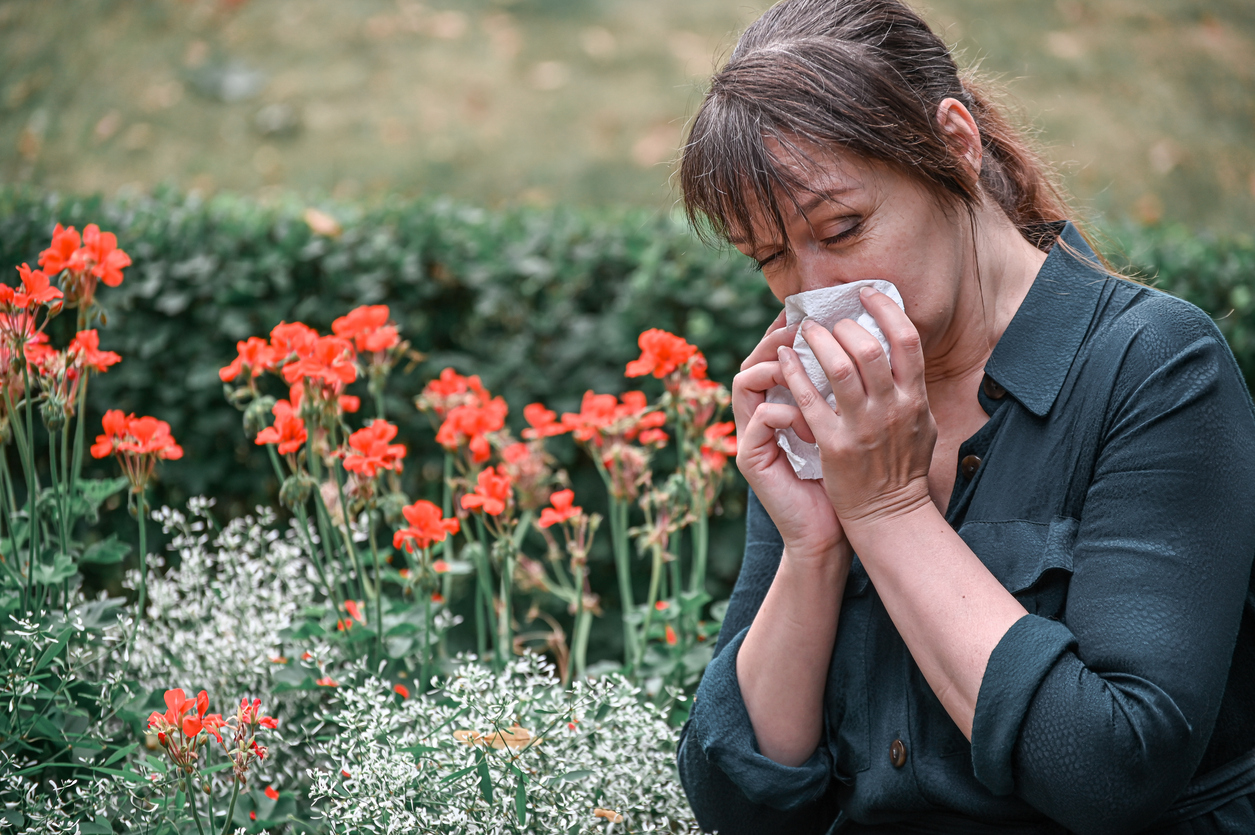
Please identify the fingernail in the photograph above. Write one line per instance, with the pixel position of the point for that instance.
(866, 292)
(782, 353)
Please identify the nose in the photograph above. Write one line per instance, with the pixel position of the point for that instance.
(813, 271)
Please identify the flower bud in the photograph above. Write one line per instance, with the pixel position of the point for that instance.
(296, 489)
(206, 788)
(257, 414)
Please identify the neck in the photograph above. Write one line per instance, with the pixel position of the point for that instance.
(997, 275)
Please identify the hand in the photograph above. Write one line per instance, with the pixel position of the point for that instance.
(801, 509)
(877, 445)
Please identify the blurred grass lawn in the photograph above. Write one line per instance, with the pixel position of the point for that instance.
(1149, 105)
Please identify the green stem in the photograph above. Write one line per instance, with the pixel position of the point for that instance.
(505, 636)
(446, 547)
(583, 623)
(347, 532)
(81, 416)
(302, 519)
(191, 803)
(701, 545)
(32, 491)
(235, 792)
(143, 573)
(424, 659)
(374, 555)
(655, 575)
(486, 615)
(623, 568)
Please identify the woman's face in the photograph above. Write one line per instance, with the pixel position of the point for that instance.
(861, 220)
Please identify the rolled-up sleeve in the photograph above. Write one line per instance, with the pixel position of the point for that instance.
(720, 727)
(1100, 719)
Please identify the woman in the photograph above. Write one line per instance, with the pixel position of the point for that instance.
(1017, 601)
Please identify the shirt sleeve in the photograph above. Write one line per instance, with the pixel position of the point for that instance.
(1100, 720)
(719, 733)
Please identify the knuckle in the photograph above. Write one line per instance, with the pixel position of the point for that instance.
(910, 341)
(870, 352)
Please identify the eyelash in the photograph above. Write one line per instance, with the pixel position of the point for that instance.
(835, 239)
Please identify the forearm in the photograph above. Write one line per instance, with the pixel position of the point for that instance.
(949, 609)
(782, 666)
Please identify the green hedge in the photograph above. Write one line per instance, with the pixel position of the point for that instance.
(543, 304)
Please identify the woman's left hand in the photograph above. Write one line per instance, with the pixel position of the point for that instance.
(877, 445)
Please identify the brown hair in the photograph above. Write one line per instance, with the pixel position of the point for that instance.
(865, 76)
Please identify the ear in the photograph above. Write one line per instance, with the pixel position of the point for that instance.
(960, 130)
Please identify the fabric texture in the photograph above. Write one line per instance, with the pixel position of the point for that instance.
(1113, 497)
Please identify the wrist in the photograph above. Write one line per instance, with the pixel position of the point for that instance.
(868, 530)
(830, 563)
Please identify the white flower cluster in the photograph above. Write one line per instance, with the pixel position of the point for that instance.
(499, 753)
(59, 808)
(217, 619)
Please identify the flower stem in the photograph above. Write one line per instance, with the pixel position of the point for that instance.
(235, 792)
(583, 623)
(446, 547)
(191, 804)
(655, 574)
(701, 545)
(623, 568)
(374, 556)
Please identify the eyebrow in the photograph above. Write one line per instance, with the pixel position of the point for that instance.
(816, 199)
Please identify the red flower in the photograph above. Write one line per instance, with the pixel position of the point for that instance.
(718, 445)
(662, 605)
(252, 815)
(401, 690)
(561, 511)
(255, 356)
(492, 493)
(272, 793)
(327, 681)
(440, 566)
(543, 423)
(427, 526)
(139, 444)
(354, 610)
(670, 635)
(368, 328)
(58, 257)
(603, 415)
(372, 452)
(470, 424)
(288, 430)
(291, 340)
(106, 260)
(661, 354)
(450, 389)
(349, 404)
(85, 349)
(330, 361)
(36, 289)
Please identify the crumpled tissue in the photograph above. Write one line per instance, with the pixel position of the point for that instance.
(825, 306)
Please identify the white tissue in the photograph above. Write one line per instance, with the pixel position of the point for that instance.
(825, 306)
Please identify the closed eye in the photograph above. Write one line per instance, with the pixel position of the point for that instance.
(844, 235)
(758, 265)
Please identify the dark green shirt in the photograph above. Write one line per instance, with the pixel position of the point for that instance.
(1111, 491)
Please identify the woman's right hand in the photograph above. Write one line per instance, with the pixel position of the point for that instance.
(800, 508)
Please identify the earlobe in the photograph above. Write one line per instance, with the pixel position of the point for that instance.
(959, 126)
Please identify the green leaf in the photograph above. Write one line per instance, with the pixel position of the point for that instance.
(718, 610)
(457, 774)
(485, 776)
(520, 796)
(61, 568)
(54, 650)
(120, 753)
(100, 826)
(96, 490)
(575, 776)
(110, 551)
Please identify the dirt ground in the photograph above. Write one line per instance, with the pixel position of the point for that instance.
(1148, 105)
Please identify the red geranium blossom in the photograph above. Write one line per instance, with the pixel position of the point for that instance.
(543, 423)
(562, 509)
(86, 353)
(372, 452)
(59, 256)
(427, 526)
(272, 793)
(492, 493)
(368, 328)
(718, 444)
(288, 430)
(104, 259)
(471, 423)
(330, 361)
(138, 442)
(255, 356)
(661, 354)
(36, 289)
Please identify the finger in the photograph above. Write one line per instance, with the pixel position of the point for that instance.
(904, 341)
(765, 351)
(842, 373)
(749, 389)
(760, 433)
(818, 414)
(868, 355)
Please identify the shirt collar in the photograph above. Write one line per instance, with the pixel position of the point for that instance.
(1033, 357)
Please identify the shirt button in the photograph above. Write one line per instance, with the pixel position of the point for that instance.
(897, 753)
(969, 466)
(992, 390)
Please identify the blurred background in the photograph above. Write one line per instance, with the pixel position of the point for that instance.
(1148, 106)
